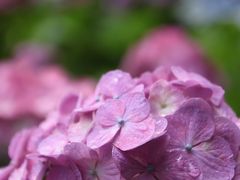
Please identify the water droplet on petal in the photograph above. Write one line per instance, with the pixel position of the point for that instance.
(193, 171)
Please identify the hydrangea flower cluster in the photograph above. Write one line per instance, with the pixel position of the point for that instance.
(167, 124)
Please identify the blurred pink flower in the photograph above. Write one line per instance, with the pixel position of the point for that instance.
(166, 46)
(31, 88)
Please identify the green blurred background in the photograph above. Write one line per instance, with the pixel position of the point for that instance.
(92, 37)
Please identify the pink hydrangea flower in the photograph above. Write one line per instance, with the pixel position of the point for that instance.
(126, 121)
(167, 124)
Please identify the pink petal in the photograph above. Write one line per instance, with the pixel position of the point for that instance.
(127, 165)
(192, 123)
(78, 151)
(134, 134)
(19, 173)
(164, 98)
(17, 147)
(108, 170)
(68, 104)
(99, 136)
(177, 166)
(160, 127)
(115, 83)
(226, 111)
(77, 131)
(137, 107)
(230, 132)
(108, 113)
(53, 145)
(150, 152)
(215, 159)
(36, 169)
(6, 171)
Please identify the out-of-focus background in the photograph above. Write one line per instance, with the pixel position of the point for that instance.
(89, 37)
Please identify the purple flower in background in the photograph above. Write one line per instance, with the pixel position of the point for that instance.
(31, 88)
(169, 46)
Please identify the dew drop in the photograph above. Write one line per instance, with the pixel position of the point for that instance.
(193, 171)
